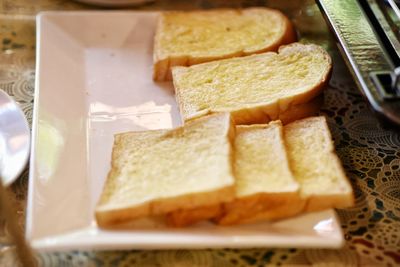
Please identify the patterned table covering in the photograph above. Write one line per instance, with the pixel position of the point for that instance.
(369, 152)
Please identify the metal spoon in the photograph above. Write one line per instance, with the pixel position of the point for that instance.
(14, 139)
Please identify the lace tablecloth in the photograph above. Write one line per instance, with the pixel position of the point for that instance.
(370, 154)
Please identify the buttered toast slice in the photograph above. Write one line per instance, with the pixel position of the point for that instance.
(315, 165)
(265, 187)
(279, 177)
(254, 89)
(155, 172)
(188, 38)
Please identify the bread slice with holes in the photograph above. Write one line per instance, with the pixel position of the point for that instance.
(156, 172)
(316, 166)
(188, 38)
(265, 187)
(254, 89)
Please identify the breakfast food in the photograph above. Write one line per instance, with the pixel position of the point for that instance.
(155, 172)
(279, 176)
(254, 89)
(188, 38)
(315, 165)
(216, 167)
(265, 186)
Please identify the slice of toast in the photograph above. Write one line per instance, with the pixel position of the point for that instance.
(258, 152)
(155, 172)
(265, 186)
(315, 165)
(188, 38)
(254, 89)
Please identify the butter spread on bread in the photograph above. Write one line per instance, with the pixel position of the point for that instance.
(188, 38)
(155, 172)
(254, 89)
(265, 187)
(279, 176)
(316, 166)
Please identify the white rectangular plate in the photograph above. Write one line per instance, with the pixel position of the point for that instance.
(94, 79)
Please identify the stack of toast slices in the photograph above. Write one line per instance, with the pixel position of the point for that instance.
(251, 147)
(212, 169)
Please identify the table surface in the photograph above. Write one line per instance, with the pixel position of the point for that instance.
(370, 153)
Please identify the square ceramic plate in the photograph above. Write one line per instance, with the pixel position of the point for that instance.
(94, 79)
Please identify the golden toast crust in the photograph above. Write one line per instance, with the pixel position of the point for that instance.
(164, 60)
(154, 172)
(322, 190)
(258, 102)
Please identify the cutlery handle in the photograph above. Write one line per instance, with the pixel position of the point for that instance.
(23, 250)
